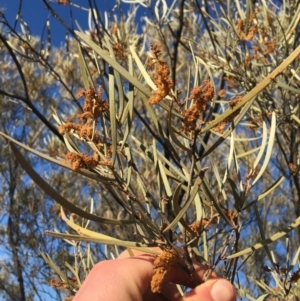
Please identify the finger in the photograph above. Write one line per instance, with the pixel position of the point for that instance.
(124, 279)
(214, 289)
(177, 273)
(128, 278)
(126, 254)
(169, 290)
(180, 276)
(211, 290)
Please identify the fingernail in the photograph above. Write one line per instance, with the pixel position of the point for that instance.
(222, 290)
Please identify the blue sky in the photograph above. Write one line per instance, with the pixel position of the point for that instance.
(35, 14)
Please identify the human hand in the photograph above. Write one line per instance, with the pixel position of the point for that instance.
(128, 279)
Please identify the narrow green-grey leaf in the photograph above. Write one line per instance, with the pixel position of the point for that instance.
(57, 197)
(237, 168)
(262, 234)
(87, 173)
(71, 146)
(172, 167)
(174, 137)
(157, 174)
(160, 129)
(269, 190)
(85, 73)
(293, 116)
(149, 154)
(142, 69)
(230, 129)
(263, 145)
(175, 201)
(262, 285)
(118, 80)
(230, 155)
(287, 87)
(252, 94)
(236, 195)
(150, 110)
(113, 63)
(183, 210)
(73, 272)
(112, 114)
(269, 148)
(215, 170)
(164, 179)
(247, 153)
(210, 197)
(263, 297)
(53, 266)
(127, 244)
(296, 258)
(200, 213)
(268, 241)
(129, 107)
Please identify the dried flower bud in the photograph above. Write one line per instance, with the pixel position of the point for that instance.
(162, 266)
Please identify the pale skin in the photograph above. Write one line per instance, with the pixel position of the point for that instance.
(128, 279)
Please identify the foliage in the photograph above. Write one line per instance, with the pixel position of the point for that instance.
(183, 135)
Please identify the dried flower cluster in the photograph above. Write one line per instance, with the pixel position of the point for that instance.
(222, 93)
(199, 226)
(118, 46)
(268, 41)
(221, 126)
(295, 276)
(231, 82)
(61, 284)
(293, 168)
(162, 265)
(251, 31)
(85, 131)
(267, 46)
(119, 51)
(201, 95)
(161, 77)
(263, 45)
(94, 106)
(283, 272)
(231, 214)
(64, 2)
(249, 58)
(81, 160)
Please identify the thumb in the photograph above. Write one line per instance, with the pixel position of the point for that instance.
(212, 290)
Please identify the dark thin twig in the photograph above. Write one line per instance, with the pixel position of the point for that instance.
(18, 13)
(13, 56)
(44, 63)
(206, 25)
(26, 99)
